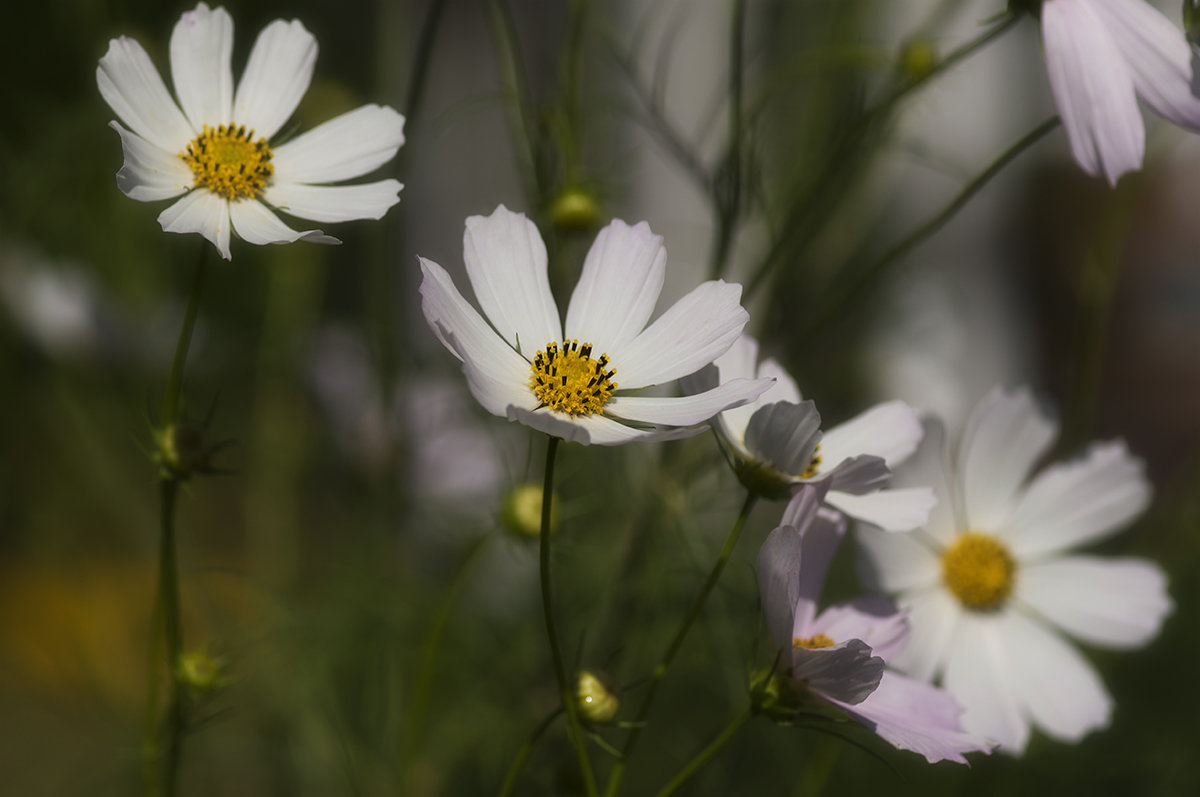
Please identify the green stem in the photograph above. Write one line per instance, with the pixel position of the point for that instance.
(708, 752)
(429, 656)
(727, 193)
(175, 379)
(514, 769)
(862, 282)
(168, 586)
(560, 672)
(660, 671)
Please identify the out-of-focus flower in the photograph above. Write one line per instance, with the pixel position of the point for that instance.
(776, 445)
(213, 148)
(837, 656)
(596, 697)
(990, 587)
(55, 304)
(521, 366)
(1101, 55)
(521, 511)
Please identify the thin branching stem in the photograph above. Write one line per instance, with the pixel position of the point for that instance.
(701, 758)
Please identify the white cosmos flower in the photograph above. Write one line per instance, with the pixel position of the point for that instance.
(213, 148)
(991, 587)
(520, 365)
(1101, 55)
(777, 445)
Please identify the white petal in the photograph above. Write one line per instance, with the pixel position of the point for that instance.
(1093, 89)
(255, 224)
(497, 391)
(890, 510)
(203, 212)
(590, 429)
(276, 77)
(929, 467)
(919, 717)
(738, 362)
(891, 431)
(1080, 501)
(1162, 62)
(876, 622)
(334, 202)
(132, 87)
(685, 410)
(618, 287)
(1055, 685)
(201, 48)
(978, 675)
(689, 335)
(149, 172)
(346, 146)
(506, 263)
(463, 331)
(785, 387)
(1005, 436)
(896, 562)
(1118, 603)
(933, 619)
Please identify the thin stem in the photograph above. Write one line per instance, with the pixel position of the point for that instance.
(429, 656)
(837, 305)
(660, 671)
(728, 191)
(560, 672)
(175, 379)
(168, 590)
(417, 82)
(514, 769)
(708, 752)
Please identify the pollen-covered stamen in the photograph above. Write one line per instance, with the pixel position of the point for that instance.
(814, 465)
(979, 571)
(569, 380)
(229, 162)
(813, 642)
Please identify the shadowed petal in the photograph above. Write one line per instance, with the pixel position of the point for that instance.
(203, 212)
(149, 173)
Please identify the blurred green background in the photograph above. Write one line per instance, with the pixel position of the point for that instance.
(364, 483)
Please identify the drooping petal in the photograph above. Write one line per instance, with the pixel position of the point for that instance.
(506, 263)
(685, 410)
(738, 362)
(1093, 90)
(789, 595)
(846, 673)
(890, 510)
(689, 335)
(874, 620)
(1080, 501)
(592, 429)
(618, 287)
(201, 49)
(1162, 62)
(277, 75)
(929, 467)
(203, 212)
(896, 562)
(1117, 603)
(257, 225)
(346, 146)
(149, 173)
(1052, 681)
(463, 331)
(132, 87)
(891, 431)
(857, 475)
(819, 541)
(933, 618)
(978, 675)
(778, 571)
(334, 202)
(784, 436)
(1006, 434)
(916, 716)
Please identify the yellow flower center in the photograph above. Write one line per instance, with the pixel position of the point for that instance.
(229, 162)
(812, 643)
(569, 380)
(814, 465)
(979, 570)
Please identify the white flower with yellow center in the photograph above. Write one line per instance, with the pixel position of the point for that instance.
(777, 445)
(991, 588)
(213, 146)
(520, 365)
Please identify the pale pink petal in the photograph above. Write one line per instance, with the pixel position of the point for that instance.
(874, 620)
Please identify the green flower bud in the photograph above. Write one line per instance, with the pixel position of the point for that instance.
(918, 58)
(597, 699)
(521, 513)
(575, 209)
(200, 672)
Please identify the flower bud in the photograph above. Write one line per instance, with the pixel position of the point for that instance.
(918, 57)
(199, 672)
(575, 209)
(521, 513)
(597, 698)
